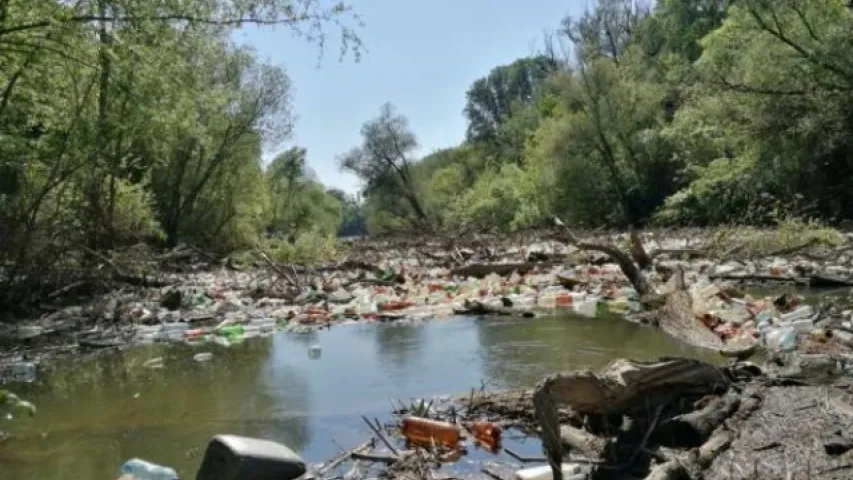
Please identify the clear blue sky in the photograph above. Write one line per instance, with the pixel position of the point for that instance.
(420, 55)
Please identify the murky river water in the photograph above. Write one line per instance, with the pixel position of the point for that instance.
(94, 414)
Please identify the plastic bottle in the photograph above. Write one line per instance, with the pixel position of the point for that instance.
(18, 372)
(570, 471)
(563, 300)
(587, 308)
(231, 331)
(783, 339)
(424, 431)
(140, 469)
(800, 313)
(486, 433)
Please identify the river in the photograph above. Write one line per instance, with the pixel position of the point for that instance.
(94, 413)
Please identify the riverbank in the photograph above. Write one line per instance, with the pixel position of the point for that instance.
(195, 299)
(671, 419)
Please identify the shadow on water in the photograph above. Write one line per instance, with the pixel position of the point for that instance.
(96, 413)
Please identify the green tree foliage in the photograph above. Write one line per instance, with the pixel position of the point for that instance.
(690, 112)
(384, 163)
(124, 121)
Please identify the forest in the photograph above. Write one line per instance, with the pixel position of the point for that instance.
(130, 121)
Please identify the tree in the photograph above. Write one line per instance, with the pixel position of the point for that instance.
(493, 99)
(384, 160)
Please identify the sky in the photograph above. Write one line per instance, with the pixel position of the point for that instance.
(419, 55)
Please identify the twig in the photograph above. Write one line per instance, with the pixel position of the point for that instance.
(492, 474)
(374, 457)
(380, 435)
(648, 434)
(342, 457)
(524, 459)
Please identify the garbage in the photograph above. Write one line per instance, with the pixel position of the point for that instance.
(423, 431)
(203, 357)
(571, 471)
(156, 362)
(782, 339)
(139, 469)
(18, 372)
(231, 457)
(315, 351)
(487, 433)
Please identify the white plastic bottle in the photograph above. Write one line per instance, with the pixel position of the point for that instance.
(139, 469)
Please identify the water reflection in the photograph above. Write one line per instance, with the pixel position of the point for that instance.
(96, 413)
(518, 353)
(398, 347)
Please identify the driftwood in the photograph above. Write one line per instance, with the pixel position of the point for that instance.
(480, 308)
(546, 414)
(669, 470)
(815, 281)
(582, 441)
(480, 270)
(627, 384)
(676, 318)
(625, 262)
(692, 429)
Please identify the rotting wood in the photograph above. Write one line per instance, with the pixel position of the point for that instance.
(694, 428)
(676, 318)
(711, 449)
(584, 442)
(624, 383)
(479, 308)
(546, 415)
(480, 270)
(626, 264)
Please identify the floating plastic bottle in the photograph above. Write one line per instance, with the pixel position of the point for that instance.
(18, 372)
(140, 469)
(423, 431)
(487, 433)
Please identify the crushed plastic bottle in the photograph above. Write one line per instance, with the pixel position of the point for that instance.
(781, 339)
(139, 469)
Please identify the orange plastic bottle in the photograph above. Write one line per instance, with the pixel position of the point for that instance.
(486, 433)
(423, 431)
(564, 300)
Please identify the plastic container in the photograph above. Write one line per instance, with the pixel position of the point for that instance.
(570, 472)
(587, 308)
(782, 339)
(230, 331)
(800, 313)
(140, 469)
(801, 326)
(423, 431)
(203, 357)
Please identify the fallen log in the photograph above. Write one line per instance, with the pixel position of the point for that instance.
(815, 281)
(694, 428)
(626, 384)
(669, 470)
(480, 308)
(717, 444)
(480, 270)
(676, 318)
(584, 442)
